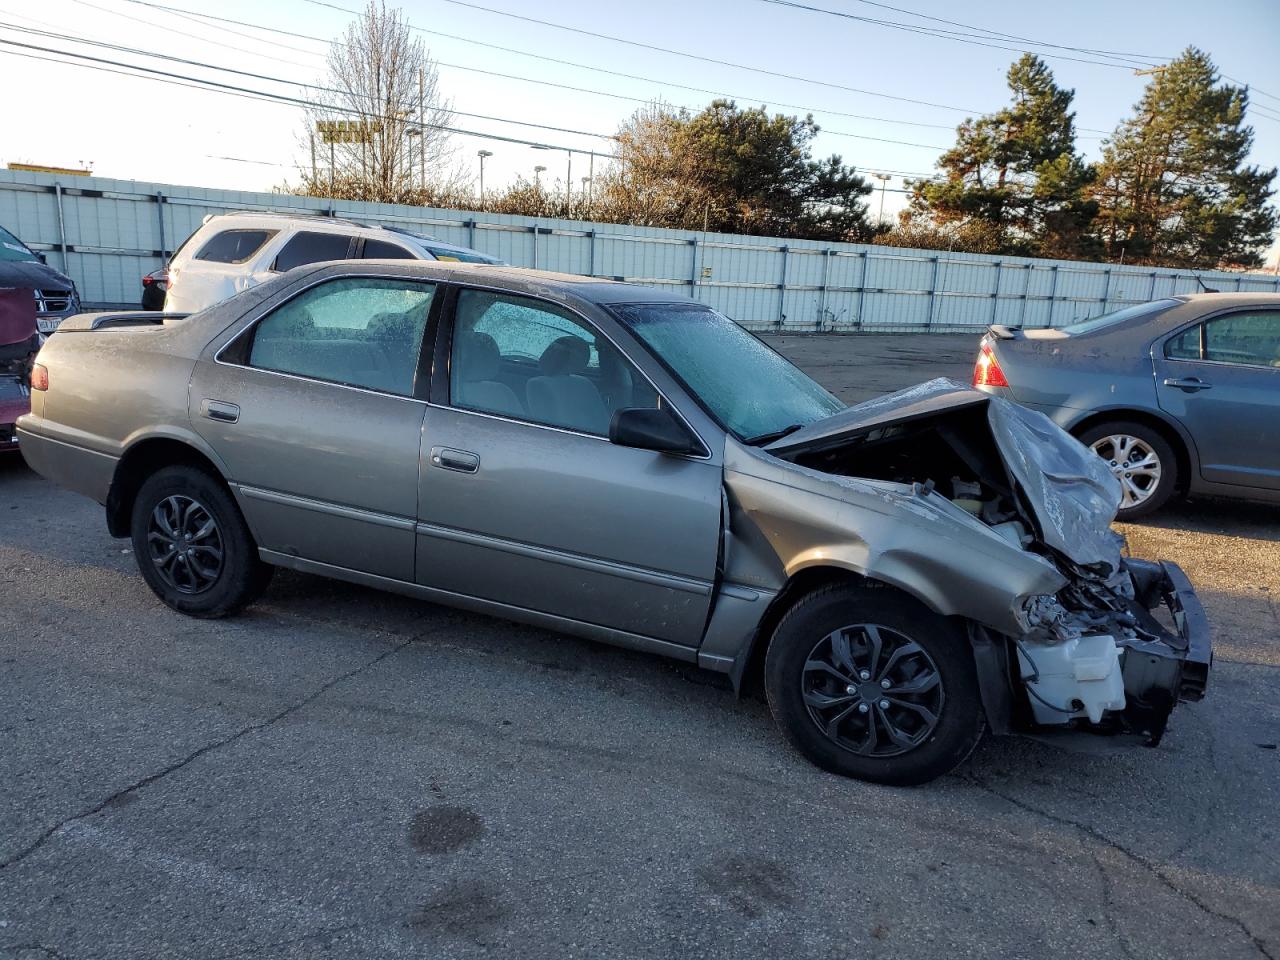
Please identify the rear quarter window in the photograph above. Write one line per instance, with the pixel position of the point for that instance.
(233, 246)
(306, 248)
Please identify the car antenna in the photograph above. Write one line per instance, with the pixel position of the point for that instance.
(1203, 288)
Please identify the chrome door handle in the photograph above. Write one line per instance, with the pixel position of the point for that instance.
(464, 461)
(1189, 384)
(219, 410)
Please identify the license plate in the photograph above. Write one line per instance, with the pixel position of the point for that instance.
(47, 324)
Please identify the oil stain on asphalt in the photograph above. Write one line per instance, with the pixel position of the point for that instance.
(444, 829)
(751, 885)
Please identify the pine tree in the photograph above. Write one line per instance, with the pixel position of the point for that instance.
(1173, 186)
(1015, 173)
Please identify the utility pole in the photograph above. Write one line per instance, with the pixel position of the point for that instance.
(313, 159)
(422, 129)
(568, 187)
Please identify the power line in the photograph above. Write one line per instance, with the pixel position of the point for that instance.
(1010, 36)
(577, 89)
(692, 56)
(216, 43)
(974, 39)
(163, 75)
(259, 76)
(633, 76)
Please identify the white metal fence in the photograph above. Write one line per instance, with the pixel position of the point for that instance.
(106, 234)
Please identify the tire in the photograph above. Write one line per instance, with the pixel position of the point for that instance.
(213, 572)
(831, 736)
(1145, 491)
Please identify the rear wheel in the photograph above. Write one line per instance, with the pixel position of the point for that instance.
(1141, 459)
(192, 545)
(869, 683)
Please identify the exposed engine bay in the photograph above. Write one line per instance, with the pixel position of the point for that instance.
(1122, 641)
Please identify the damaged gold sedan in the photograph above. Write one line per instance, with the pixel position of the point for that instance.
(616, 463)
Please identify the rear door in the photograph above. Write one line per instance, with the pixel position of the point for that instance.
(524, 501)
(313, 410)
(1221, 379)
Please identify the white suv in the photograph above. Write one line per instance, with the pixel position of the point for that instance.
(235, 251)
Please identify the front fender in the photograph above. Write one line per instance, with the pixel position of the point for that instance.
(916, 540)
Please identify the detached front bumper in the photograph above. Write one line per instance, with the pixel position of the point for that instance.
(1173, 665)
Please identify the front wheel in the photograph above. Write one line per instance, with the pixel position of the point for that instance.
(869, 683)
(192, 545)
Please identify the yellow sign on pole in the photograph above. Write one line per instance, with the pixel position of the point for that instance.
(348, 131)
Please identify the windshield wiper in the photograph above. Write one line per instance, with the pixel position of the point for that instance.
(761, 439)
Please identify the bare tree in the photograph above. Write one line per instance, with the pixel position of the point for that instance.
(377, 133)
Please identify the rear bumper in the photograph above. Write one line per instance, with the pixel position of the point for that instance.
(77, 468)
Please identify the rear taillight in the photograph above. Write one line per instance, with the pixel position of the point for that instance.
(987, 372)
(148, 280)
(39, 377)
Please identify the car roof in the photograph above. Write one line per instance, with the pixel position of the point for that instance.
(1241, 298)
(564, 286)
(318, 222)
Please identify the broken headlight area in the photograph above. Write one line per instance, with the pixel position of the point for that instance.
(1114, 655)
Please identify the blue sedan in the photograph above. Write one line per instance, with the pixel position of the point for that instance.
(1180, 396)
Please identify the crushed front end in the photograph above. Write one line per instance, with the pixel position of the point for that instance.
(1113, 643)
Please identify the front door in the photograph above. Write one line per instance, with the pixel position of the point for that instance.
(1221, 379)
(524, 501)
(313, 411)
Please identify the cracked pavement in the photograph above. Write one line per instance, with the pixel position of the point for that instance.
(343, 773)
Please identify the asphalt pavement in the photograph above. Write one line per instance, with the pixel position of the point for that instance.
(345, 773)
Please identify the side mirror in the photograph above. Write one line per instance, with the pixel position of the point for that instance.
(40, 256)
(647, 428)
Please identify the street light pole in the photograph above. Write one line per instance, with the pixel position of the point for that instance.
(482, 154)
(883, 178)
(537, 176)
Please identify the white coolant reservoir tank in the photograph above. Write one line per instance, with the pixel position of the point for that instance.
(1085, 670)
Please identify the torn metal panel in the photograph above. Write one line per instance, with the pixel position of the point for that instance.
(1069, 491)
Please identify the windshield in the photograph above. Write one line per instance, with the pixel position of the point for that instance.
(1135, 312)
(12, 249)
(749, 388)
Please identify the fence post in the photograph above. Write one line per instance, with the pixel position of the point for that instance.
(164, 254)
(1106, 289)
(933, 293)
(862, 288)
(534, 228)
(1053, 293)
(1151, 294)
(62, 230)
(995, 294)
(1026, 291)
(591, 252)
(782, 289)
(471, 233)
(693, 267)
(822, 290)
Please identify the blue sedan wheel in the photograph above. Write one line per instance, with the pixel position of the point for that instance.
(1141, 460)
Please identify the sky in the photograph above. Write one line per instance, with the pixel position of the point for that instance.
(887, 99)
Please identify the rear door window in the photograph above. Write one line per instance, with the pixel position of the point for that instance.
(233, 246)
(381, 250)
(358, 331)
(1251, 338)
(307, 247)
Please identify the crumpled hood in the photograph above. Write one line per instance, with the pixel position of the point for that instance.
(1071, 492)
(32, 275)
